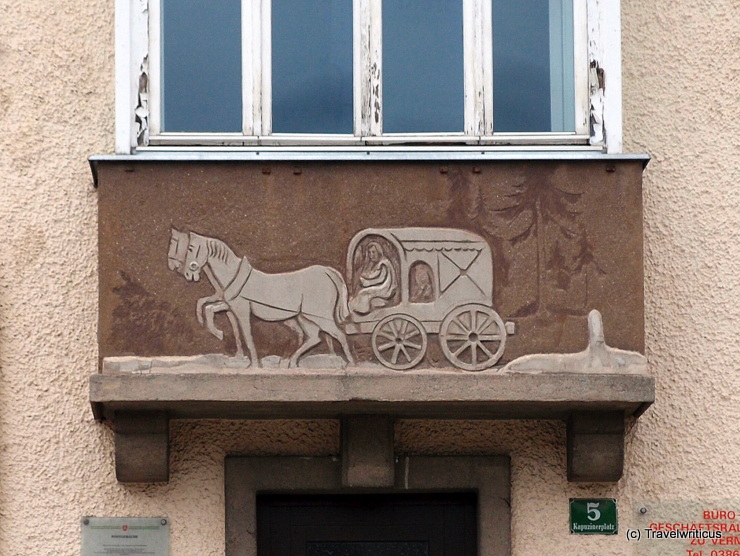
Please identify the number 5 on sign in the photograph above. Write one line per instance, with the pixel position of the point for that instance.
(593, 516)
(592, 511)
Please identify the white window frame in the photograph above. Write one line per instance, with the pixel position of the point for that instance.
(597, 48)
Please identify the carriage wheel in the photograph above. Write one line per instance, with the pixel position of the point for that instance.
(472, 337)
(399, 342)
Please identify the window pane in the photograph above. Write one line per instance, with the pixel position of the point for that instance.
(201, 52)
(533, 82)
(422, 66)
(312, 66)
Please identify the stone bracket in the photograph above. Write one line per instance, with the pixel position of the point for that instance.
(367, 402)
(142, 447)
(367, 451)
(595, 448)
(595, 445)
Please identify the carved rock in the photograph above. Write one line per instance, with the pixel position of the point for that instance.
(596, 358)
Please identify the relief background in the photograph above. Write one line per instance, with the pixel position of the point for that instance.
(565, 239)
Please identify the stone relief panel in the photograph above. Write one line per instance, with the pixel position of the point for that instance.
(333, 266)
(449, 271)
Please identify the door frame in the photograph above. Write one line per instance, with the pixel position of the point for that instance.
(489, 476)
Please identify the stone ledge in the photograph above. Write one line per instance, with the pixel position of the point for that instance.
(140, 405)
(331, 393)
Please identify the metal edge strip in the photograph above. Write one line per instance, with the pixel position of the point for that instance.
(362, 154)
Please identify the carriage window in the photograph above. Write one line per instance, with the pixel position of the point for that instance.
(421, 283)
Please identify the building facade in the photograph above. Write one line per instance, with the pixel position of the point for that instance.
(71, 296)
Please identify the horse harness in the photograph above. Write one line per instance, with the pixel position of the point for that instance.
(239, 282)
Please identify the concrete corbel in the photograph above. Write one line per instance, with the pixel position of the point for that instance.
(142, 447)
(595, 445)
(367, 451)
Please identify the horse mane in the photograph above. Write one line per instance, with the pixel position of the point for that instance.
(219, 250)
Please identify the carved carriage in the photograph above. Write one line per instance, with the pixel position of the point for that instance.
(443, 285)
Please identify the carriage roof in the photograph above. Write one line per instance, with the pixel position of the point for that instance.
(454, 249)
(424, 239)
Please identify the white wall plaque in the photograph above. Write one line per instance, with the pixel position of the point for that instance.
(116, 536)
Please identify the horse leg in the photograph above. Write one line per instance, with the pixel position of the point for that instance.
(333, 331)
(330, 343)
(311, 330)
(237, 334)
(246, 328)
(209, 311)
(201, 303)
(293, 325)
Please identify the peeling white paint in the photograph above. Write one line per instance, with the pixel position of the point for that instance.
(605, 74)
(132, 74)
(141, 113)
(370, 67)
(478, 70)
(596, 108)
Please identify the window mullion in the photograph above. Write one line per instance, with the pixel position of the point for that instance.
(265, 73)
(357, 66)
(580, 66)
(486, 17)
(133, 77)
(154, 55)
(561, 33)
(248, 70)
(370, 87)
(478, 67)
(256, 64)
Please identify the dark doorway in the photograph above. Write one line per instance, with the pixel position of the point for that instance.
(367, 525)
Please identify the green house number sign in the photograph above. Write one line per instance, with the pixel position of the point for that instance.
(593, 516)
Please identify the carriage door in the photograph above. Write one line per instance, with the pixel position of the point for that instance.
(367, 525)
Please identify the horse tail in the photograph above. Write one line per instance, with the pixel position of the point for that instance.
(341, 309)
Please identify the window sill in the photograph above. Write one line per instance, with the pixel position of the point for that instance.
(547, 140)
(369, 153)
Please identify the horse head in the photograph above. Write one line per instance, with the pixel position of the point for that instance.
(196, 257)
(178, 249)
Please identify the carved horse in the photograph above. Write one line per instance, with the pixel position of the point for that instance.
(316, 296)
(179, 242)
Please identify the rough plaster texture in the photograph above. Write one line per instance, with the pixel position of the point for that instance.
(681, 62)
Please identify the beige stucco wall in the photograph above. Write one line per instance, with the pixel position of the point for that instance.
(681, 65)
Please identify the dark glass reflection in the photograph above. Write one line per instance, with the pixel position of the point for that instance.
(422, 66)
(367, 549)
(312, 66)
(202, 75)
(521, 65)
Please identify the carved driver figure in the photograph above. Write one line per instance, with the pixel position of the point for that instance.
(378, 282)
